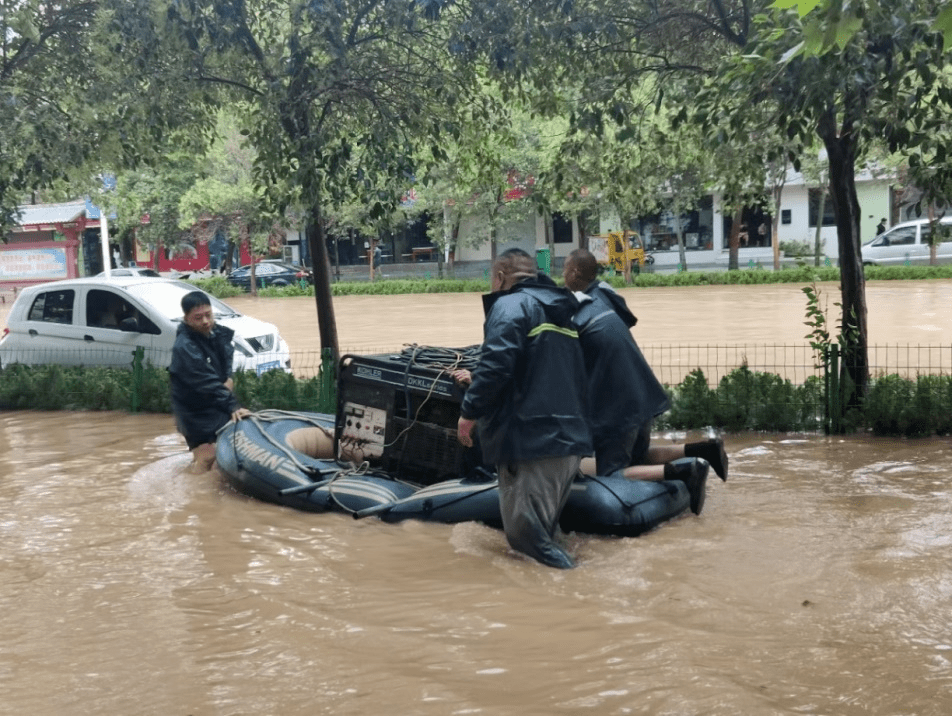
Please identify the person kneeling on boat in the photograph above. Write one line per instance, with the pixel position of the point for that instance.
(527, 397)
(624, 394)
(200, 377)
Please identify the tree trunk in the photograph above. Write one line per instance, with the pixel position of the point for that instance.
(733, 241)
(326, 323)
(841, 152)
(933, 237)
(453, 242)
(819, 226)
(158, 254)
(775, 224)
(679, 228)
(581, 219)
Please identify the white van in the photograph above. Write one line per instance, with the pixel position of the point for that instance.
(907, 243)
(100, 321)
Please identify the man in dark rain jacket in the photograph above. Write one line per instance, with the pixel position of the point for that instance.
(200, 379)
(527, 398)
(624, 394)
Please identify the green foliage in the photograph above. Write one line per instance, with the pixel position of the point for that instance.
(692, 403)
(745, 400)
(57, 387)
(399, 286)
(899, 406)
(278, 390)
(217, 286)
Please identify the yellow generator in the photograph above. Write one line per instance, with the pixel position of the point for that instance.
(613, 249)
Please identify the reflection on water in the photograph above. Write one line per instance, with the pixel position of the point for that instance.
(815, 582)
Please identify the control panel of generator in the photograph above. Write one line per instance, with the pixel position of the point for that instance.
(364, 431)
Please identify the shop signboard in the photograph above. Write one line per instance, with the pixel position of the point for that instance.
(31, 264)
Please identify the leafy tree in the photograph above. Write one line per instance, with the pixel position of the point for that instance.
(43, 74)
(882, 81)
(328, 87)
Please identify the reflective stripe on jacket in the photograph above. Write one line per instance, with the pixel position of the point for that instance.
(528, 390)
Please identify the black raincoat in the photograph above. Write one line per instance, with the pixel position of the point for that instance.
(200, 366)
(528, 389)
(623, 391)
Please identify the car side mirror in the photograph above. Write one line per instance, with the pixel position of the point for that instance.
(130, 325)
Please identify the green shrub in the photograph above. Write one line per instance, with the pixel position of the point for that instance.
(217, 286)
(901, 407)
(692, 403)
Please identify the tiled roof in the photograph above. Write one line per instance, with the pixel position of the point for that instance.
(45, 214)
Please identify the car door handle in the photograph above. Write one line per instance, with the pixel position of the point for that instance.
(33, 332)
(88, 338)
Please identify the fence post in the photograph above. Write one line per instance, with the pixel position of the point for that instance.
(137, 356)
(834, 392)
(327, 396)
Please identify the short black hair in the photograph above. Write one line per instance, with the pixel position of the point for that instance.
(586, 264)
(194, 299)
(510, 260)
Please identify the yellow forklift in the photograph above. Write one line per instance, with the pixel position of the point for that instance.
(618, 250)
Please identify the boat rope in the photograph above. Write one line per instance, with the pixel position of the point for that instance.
(629, 506)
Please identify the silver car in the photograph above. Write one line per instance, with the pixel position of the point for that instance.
(98, 321)
(907, 242)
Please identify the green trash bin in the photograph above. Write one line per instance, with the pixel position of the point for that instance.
(544, 260)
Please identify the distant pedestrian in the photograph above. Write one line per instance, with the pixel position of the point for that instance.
(881, 227)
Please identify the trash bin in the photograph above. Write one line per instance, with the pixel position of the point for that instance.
(544, 260)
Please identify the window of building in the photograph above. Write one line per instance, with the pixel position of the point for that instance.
(659, 232)
(829, 215)
(561, 229)
(756, 229)
(785, 216)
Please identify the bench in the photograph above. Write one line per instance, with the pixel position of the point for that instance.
(428, 251)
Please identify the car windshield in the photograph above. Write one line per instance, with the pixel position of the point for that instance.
(166, 296)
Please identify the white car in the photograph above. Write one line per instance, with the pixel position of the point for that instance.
(98, 321)
(907, 242)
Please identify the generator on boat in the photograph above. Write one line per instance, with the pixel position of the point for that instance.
(399, 411)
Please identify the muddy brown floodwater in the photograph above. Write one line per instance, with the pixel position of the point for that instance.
(816, 581)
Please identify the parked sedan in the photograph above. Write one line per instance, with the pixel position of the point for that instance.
(269, 273)
(94, 321)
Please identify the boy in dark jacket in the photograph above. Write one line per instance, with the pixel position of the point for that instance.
(200, 379)
(527, 397)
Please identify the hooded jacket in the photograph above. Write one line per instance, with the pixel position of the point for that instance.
(528, 389)
(199, 368)
(623, 391)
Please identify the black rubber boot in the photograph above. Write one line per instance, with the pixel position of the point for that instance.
(712, 451)
(693, 473)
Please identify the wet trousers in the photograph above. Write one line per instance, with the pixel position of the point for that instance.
(532, 494)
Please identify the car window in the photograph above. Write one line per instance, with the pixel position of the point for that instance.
(53, 307)
(902, 236)
(945, 228)
(108, 309)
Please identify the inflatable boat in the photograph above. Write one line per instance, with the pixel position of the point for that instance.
(288, 459)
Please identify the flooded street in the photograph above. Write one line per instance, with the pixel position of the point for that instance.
(900, 312)
(816, 582)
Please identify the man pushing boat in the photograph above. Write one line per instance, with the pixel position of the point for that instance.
(527, 397)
